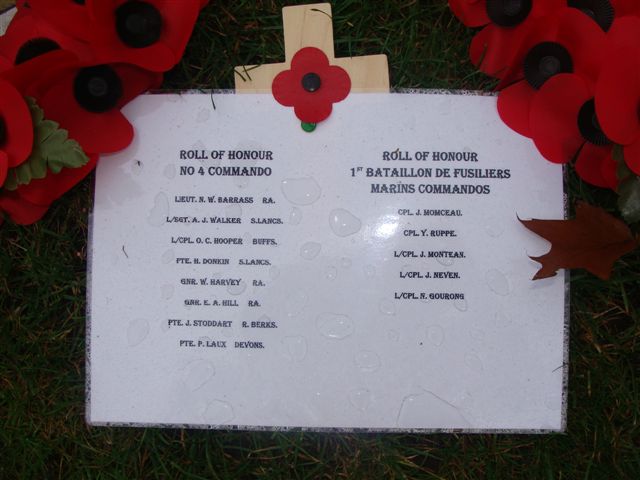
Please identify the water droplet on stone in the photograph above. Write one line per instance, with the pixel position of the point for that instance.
(461, 304)
(209, 161)
(203, 115)
(407, 268)
(360, 398)
(295, 303)
(166, 291)
(393, 335)
(477, 334)
(198, 373)
(310, 250)
(370, 271)
(331, 273)
(237, 289)
(233, 210)
(387, 307)
(274, 272)
(346, 262)
(168, 257)
(264, 319)
(344, 223)
(435, 335)
(301, 191)
(368, 361)
(334, 325)
(170, 171)
(295, 217)
(473, 362)
(160, 211)
(218, 412)
(445, 262)
(497, 282)
(199, 145)
(426, 410)
(238, 157)
(137, 332)
(464, 401)
(295, 348)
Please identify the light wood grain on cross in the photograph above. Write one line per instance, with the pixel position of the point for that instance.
(312, 26)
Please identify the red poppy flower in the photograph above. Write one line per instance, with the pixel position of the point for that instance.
(68, 16)
(28, 37)
(473, 13)
(16, 124)
(19, 210)
(312, 86)
(564, 126)
(624, 8)
(4, 64)
(618, 89)
(41, 68)
(569, 43)
(151, 33)
(508, 22)
(16, 129)
(86, 101)
(30, 202)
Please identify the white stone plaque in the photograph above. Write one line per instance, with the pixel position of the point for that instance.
(370, 275)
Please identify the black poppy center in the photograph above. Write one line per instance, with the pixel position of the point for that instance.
(311, 82)
(549, 65)
(79, 2)
(3, 132)
(508, 13)
(589, 125)
(139, 24)
(97, 89)
(34, 48)
(544, 61)
(600, 10)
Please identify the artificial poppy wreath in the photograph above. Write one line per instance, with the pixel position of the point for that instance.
(66, 70)
(569, 79)
(568, 73)
(16, 132)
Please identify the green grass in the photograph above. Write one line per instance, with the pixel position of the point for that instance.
(42, 300)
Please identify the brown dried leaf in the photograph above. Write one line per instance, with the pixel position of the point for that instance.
(594, 240)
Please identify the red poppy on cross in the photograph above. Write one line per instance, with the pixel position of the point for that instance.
(311, 26)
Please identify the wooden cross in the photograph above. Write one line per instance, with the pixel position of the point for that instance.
(312, 26)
